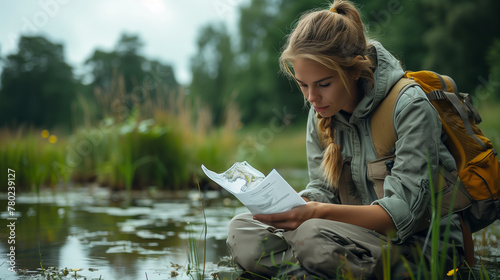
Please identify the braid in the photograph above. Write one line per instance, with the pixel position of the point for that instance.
(334, 38)
(332, 156)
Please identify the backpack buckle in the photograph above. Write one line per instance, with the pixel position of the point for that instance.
(389, 164)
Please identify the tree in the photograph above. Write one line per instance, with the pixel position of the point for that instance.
(212, 69)
(251, 67)
(37, 85)
(450, 37)
(125, 61)
(141, 77)
(391, 22)
(462, 33)
(492, 84)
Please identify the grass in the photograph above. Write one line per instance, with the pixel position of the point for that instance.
(30, 155)
(488, 109)
(266, 149)
(437, 266)
(194, 266)
(163, 148)
(154, 143)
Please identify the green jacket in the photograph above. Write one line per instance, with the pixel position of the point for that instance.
(418, 128)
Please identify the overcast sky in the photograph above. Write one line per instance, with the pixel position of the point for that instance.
(168, 28)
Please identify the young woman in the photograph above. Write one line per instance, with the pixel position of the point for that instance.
(344, 76)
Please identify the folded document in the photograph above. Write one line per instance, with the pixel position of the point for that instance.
(260, 194)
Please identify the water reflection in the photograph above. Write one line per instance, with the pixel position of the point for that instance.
(78, 231)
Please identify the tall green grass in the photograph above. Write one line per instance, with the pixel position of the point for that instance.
(438, 255)
(196, 269)
(125, 142)
(488, 105)
(30, 155)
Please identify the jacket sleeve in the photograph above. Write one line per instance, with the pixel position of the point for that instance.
(407, 189)
(317, 189)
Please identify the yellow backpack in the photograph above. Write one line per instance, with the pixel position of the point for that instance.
(478, 192)
(477, 164)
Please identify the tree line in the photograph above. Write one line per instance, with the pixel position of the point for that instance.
(459, 38)
(239, 65)
(39, 88)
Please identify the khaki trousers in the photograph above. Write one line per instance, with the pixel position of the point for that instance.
(324, 248)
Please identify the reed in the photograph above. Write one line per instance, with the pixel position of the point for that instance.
(31, 155)
(196, 269)
(125, 141)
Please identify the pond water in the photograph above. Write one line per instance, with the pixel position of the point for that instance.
(81, 231)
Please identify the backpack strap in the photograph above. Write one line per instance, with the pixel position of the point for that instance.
(382, 126)
(384, 138)
(468, 242)
(461, 110)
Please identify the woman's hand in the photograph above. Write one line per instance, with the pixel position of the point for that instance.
(372, 217)
(291, 219)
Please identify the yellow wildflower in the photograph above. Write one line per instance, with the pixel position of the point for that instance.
(45, 133)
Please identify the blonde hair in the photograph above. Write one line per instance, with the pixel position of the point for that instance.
(336, 39)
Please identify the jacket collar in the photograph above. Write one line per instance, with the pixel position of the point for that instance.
(387, 72)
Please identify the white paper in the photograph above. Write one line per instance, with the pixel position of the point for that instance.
(271, 195)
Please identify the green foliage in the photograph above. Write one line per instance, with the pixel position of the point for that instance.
(125, 77)
(450, 37)
(154, 144)
(461, 33)
(126, 62)
(31, 156)
(389, 22)
(212, 69)
(136, 153)
(37, 85)
(493, 58)
(195, 270)
(252, 74)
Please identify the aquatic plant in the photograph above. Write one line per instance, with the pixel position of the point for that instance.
(31, 155)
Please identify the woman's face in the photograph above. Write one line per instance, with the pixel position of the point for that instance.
(323, 88)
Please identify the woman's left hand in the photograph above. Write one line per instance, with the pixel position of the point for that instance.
(291, 219)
